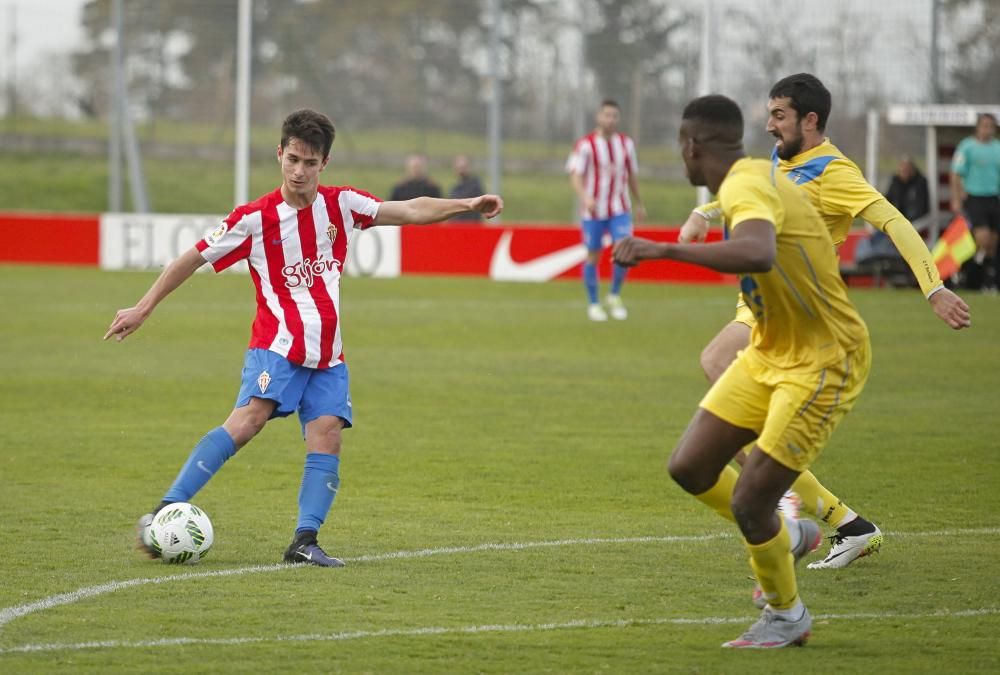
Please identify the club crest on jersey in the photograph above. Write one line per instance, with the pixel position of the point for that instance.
(217, 234)
(331, 231)
(263, 381)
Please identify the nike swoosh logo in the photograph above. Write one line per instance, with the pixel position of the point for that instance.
(201, 465)
(307, 557)
(278, 241)
(331, 487)
(542, 268)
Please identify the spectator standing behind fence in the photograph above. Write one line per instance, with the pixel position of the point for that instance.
(468, 185)
(908, 190)
(415, 183)
(908, 193)
(975, 191)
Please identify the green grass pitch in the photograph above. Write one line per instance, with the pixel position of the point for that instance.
(486, 414)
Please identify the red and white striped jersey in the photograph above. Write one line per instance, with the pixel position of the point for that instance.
(296, 259)
(605, 164)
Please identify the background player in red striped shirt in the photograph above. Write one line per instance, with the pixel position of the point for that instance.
(603, 170)
(295, 241)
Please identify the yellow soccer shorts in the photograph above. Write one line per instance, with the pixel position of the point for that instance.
(793, 413)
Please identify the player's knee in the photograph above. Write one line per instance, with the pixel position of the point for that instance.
(707, 365)
(713, 363)
(244, 430)
(687, 473)
(245, 424)
(324, 435)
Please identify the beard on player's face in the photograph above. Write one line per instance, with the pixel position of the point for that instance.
(789, 143)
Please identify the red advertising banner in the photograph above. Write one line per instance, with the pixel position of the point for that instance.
(529, 253)
(49, 238)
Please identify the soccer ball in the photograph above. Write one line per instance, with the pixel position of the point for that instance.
(181, 533)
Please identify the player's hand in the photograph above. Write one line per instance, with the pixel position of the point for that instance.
(951, 309)
(639, 213)
(127, 321)
(488, 205)
(589, 204)
(694, 229)
(630, 251)
(956, 208)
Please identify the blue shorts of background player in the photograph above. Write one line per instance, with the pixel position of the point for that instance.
(619, 227)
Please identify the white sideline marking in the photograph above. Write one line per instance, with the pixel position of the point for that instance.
(471, 630)
(8, 614)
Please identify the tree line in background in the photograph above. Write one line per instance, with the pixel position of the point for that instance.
(423, 63)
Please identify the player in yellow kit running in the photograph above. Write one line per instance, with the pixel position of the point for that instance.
(798, 108)
(806, 364)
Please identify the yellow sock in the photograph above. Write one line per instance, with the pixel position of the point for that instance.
(774, 568)
(720, 495)
(819, 501)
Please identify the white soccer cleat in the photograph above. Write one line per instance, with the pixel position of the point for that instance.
(617, 307)
(846, 550)
(790, 505)
(772, 631)
(596, 313)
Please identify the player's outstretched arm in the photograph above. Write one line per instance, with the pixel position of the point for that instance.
(947, 305)
(127, 321)
(424, 210)
(751, 248)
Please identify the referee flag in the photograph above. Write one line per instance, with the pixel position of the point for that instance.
(955, 246)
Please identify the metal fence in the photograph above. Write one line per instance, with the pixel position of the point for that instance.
(530, 71)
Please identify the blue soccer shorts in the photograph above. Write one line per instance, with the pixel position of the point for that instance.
(312, 392)
(619, 226)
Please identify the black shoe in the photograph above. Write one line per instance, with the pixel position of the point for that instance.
(305, 550)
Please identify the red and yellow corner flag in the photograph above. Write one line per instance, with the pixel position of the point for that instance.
(955, 246)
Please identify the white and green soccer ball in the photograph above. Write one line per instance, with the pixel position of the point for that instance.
(181, 533)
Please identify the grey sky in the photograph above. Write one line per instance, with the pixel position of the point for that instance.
(43, 27)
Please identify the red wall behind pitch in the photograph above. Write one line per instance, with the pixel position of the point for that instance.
(49, 238)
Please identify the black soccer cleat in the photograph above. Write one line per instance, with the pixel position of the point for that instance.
(305, 551)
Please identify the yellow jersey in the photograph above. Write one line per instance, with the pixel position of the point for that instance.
(804, 319)
(838, 190)
(833, 183)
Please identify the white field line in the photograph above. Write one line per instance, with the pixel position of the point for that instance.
(9, 614)
(473, 630)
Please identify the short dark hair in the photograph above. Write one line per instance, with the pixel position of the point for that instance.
(312, 128)
(610, 103)
(807, 95)
(719, 115)
(986, 116)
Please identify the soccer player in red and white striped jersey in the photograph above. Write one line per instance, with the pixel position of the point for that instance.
(603, 170)
(295, 241)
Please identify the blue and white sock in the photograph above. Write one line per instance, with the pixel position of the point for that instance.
(617, 278)
(320, 481)
(590, 281)
(207, 457)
